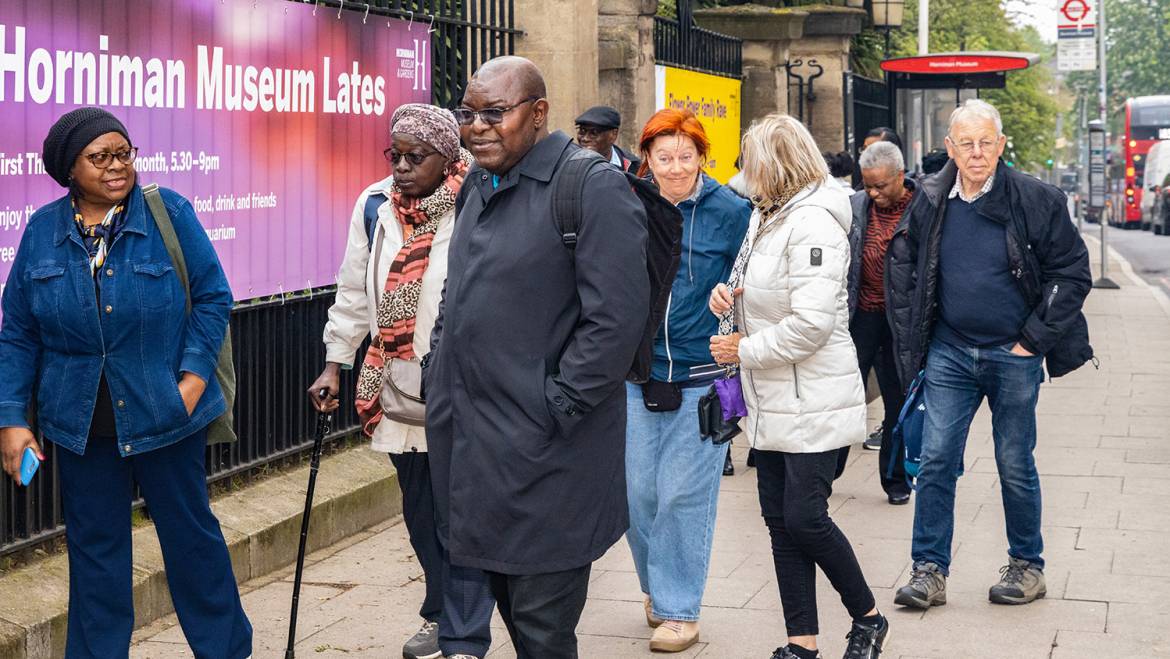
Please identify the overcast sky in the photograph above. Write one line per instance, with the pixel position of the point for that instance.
(1039, 13)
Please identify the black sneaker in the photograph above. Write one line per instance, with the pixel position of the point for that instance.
(927, 588)
(424, 644)
(728, 465)
(867, 641)
(783, 652)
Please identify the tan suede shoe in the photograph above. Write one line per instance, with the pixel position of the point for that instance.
(674, 636)
(652, 620)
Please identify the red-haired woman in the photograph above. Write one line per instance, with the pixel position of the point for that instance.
(672, 473)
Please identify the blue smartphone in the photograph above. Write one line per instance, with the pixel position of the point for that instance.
(29, 466)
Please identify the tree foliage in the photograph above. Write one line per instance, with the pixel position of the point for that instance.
(1137, 40)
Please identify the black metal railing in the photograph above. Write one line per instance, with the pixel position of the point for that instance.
(683, 44)
(465, 34)
(278, 341)
(867, 106)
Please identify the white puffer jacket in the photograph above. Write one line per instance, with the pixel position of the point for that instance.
(799, 367)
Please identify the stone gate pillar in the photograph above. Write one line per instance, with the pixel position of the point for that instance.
(626, 63)
(561, 38)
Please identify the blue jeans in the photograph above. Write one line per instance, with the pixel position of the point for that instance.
(672, 479)
(957, 380)
(97, 489)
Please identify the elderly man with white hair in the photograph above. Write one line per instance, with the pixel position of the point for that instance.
(985, 285)
(877, 214)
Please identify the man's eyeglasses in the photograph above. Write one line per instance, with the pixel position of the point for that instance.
(103, 159)
(415, 159)
(591, 131)
(968, 147)
(490, 116)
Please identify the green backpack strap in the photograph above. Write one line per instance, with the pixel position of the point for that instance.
(167, 229)
(222, 429)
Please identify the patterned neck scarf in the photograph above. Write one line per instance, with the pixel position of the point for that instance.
(398, 304)
(97, 238)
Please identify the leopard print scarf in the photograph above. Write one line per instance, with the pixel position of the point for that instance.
(398, 304)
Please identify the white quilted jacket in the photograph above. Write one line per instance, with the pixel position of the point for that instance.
(799, 367)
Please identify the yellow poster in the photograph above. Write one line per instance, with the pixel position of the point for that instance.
(715, 101)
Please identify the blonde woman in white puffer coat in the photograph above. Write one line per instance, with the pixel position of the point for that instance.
(798, 367)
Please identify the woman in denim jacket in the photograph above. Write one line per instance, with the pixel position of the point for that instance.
(95, 323)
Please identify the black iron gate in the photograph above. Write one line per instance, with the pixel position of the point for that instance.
(278, 340)
(867, 106)
(680, 42)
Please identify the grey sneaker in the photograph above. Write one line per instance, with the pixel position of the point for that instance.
(424, 644)
(927, 588)
(874, 441)
(1021, 582)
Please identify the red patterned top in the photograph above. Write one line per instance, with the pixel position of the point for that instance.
(878, 232)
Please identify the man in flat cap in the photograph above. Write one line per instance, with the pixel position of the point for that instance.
(597, 129)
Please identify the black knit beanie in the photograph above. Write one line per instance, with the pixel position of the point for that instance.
(71, 134)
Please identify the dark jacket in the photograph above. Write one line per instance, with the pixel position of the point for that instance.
(1045, 252)
(861, 204)
(630, 162)
(57, 342)
(526, 408)
(713, 230)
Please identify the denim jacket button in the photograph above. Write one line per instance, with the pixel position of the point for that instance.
(109, 309)
(121, 403)
(109, 272)
(127, 448)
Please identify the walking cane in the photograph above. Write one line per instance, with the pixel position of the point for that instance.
(324, 421)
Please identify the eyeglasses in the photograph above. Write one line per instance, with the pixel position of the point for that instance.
(592, 131)
(968, 146)
(490, 116)
(415, 159)
(103, 159)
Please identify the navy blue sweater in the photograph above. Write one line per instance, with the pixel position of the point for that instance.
(980, 303)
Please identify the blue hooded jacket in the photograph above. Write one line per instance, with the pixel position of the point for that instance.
(713, 228)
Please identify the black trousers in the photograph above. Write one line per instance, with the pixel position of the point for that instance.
(794, 498)
(458, 598)
(875, 349)
(541, 611)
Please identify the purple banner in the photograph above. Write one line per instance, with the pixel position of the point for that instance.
(270, 116)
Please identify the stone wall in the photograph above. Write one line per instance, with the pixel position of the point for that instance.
(602, 52)
(560, 37)
(626, 63)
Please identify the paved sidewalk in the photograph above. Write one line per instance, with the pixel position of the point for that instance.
(1104, 457)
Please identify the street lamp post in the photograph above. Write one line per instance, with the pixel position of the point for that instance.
(888, 15)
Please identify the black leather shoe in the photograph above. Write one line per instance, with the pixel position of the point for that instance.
(899, 499)
(728, 466)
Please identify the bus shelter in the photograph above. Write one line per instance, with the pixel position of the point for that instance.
(925, 89)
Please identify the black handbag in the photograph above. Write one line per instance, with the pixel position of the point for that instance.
(711, 423)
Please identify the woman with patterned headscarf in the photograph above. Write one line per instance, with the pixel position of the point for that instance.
(388, 288)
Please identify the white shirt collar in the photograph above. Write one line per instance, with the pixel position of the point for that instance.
(957, 190)
(615, 157)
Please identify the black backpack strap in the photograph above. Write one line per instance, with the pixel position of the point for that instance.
(569, 192)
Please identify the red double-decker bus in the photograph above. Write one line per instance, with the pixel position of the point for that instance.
(1147, 120)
